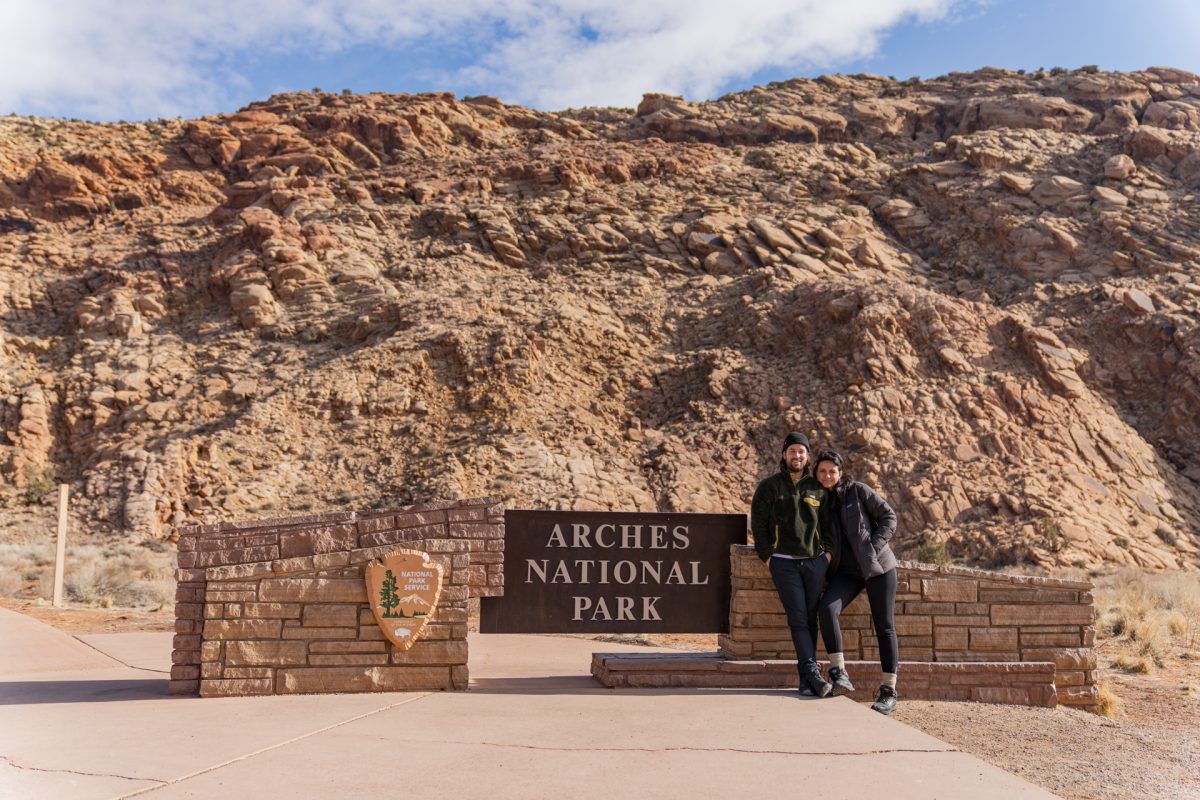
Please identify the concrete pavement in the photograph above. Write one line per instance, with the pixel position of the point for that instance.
(534, 724)
(29, 646)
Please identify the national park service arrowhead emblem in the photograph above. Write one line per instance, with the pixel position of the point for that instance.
(404, 592)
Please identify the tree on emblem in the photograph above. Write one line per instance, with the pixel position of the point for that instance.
(388, 597)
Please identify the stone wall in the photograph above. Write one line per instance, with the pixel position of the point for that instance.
(943, 614)
(280, 606)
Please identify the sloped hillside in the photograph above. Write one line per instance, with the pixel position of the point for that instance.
(982, 288)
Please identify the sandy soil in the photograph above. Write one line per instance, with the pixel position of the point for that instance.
(1152, 750)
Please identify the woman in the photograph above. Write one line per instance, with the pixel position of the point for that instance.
(858, 523)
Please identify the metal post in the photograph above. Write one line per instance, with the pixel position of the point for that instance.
(60, 556)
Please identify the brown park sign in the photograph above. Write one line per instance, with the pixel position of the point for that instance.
(404, 592)
(614, 572)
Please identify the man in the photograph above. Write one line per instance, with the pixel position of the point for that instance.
(784, 518)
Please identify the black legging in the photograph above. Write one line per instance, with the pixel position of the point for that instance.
(881, 593)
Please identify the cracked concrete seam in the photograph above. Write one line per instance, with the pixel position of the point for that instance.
(13, 763)
(119, 661)
(269, 748)
(682, 749)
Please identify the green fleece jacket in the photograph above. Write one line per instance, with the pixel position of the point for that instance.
(785, 517)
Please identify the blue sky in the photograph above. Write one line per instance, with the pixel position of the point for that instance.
(143, 59)
(1027, 34)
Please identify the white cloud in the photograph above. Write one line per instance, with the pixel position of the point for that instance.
(657, 47)
(145, 58)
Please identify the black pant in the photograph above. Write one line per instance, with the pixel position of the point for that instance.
(798, 582)
(881, 592)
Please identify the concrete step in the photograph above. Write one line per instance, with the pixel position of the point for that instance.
(1011, 683)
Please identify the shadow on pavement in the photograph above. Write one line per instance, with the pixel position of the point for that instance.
(19, 693)
(579, 684)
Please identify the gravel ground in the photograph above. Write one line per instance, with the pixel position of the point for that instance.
(1152, 750)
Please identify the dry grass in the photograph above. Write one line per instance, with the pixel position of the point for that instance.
(11, 583)
(1132, 662)
(1148, 618)
(125, 576)
(128, 576)
(21, 564)
(1109, 704)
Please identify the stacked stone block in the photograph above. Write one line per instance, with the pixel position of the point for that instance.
(943, 614)
(280, 606)
(1026, 684)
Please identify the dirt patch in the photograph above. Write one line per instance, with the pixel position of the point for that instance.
(87, 619)
(706, 642)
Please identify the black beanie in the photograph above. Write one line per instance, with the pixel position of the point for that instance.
(795, 437)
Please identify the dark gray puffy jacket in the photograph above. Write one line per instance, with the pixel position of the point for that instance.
(869, 523)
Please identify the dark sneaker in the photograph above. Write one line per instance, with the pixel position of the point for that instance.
(805, 689)
(819, 687)
(886, 702)
(841, 682)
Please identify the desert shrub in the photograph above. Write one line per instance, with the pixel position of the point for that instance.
(21, 563)
(11, 583)
(39, 485)
(933, 551)
(1147, 631)
(124, 576)
(1002, 560)
(1052, 537)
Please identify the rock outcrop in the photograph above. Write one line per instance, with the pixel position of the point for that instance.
(982, 288)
